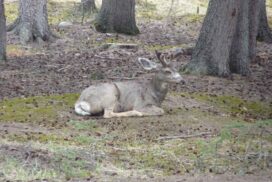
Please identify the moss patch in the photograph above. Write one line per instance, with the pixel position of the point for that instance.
(11, 11)
(217, 154)
(62, 11)
(35, 109)
(158, 47)
(148, 10)
(193, 18)
(154, 47)
(16, 50)
(44, 164)
(234, 105)
(12, 169)
(57, 11)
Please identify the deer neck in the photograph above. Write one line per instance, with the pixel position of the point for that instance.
(159, 89)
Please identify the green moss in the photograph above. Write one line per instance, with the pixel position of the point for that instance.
(35, 109)
(83, 125)
(42, 138)
(57, 11)
(60, 11)
(73, 164)
(78, 140)
(193, 18)
(84, 139)
(179, 156)
(16, 50)
(154, 47)
(150, 15)
(14, 170)
(269, 3)
(148, 10)
(11, 11)
(67, 164)
(142, 156)
(234, 105)
(203, 3)
(158, 47)
(270, 22)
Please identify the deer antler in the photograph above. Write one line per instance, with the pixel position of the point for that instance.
(161, 58)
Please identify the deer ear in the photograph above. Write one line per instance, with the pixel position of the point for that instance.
(147, 64)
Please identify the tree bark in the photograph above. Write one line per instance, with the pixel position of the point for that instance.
(264, 32)
(2, 32)
(243, 49)
(32, 23)
(88, 6)
(227, 39)
(117, 16)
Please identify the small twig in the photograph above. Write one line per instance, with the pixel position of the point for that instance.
(65, 68)
(52, 65)
(171, 8)
(122, 78)
(83, 12)
(101, 57)
(184, 136)
(128, 149)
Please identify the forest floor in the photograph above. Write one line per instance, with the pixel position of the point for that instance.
(214, 129)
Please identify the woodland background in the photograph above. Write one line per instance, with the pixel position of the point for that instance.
(223, 125)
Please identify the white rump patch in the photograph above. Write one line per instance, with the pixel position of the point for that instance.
(83, 108)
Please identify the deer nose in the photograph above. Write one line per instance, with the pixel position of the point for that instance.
(178, 78)
(183, 82)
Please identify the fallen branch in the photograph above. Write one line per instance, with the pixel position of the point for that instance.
(110, 58)
(129, 149)
(184, 136)
(119, 45)
(121, 78)
(65, 68)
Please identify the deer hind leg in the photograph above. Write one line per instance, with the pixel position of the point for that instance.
(108, 113)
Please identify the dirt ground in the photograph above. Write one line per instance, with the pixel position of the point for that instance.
(77, 60)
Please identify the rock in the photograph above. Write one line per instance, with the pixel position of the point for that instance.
(64, 24)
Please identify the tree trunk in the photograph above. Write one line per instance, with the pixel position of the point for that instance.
(2, 32)
(88, 6)
(264, 32)
(243, 49)
(117, 16)
(227, 40)
(32, 23)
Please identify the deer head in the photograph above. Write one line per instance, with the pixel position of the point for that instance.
(166, 71)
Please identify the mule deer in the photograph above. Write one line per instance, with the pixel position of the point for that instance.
(130, 98)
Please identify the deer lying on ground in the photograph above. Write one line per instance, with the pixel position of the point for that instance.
(130, 98)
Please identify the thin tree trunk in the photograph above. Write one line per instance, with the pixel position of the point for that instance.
(88, 6)
(227, 39)
(32, 23)
(2, 32)
(264, 32)
(117, 16)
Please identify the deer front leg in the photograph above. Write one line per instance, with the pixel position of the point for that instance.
(152, 111)
(108, 113)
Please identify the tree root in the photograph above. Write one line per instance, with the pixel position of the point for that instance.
(28, 34)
